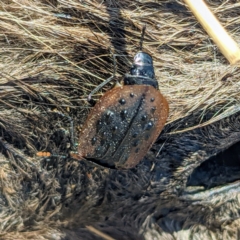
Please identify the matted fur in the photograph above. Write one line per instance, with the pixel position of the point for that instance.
(52, 54)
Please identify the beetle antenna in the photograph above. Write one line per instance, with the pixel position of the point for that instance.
(142, 36)
(96, 89)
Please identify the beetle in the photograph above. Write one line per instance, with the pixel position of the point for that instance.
(126, 121)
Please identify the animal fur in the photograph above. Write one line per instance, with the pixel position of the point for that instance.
(52, 54)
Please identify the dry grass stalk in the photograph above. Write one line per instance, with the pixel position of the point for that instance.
(226, 44)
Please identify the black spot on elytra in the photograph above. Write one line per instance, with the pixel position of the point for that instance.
(122, 101)
(149, 126)
(135, 135)
(147, 136)
(144, 117)
(123, 114)
(94, 140)
(109, 117)
(98, 149)
(135, 143)
(104, 134)
(153, 109)
(115, 128)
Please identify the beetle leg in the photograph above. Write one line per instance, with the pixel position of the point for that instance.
(96, 89)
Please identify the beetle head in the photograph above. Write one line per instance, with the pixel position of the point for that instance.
(142, 65)
(142, 71)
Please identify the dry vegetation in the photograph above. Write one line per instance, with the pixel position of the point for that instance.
(52, 54)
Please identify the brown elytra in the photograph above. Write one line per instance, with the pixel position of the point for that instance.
(126, 121)
(123, 125)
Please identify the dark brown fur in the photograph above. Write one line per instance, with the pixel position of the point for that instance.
(50, 63)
